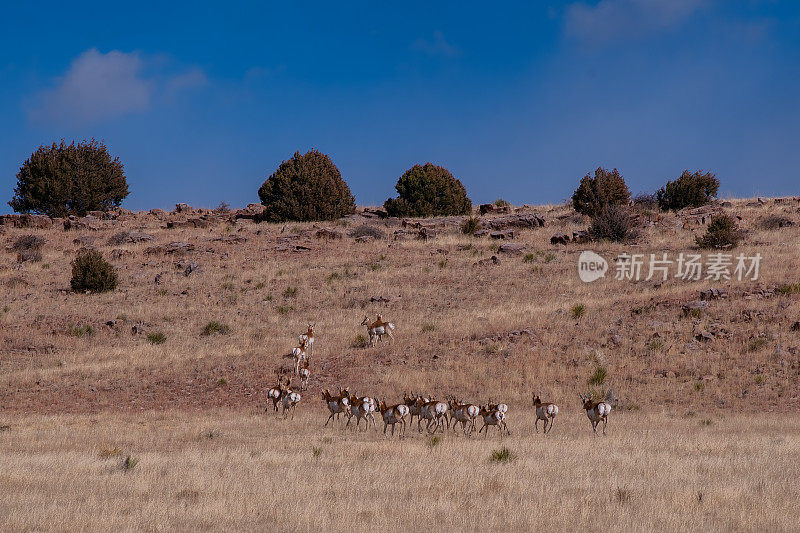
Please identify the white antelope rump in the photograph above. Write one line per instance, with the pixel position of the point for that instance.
(336, 404)
(493, 417)
(544, 411)
(276, 393)
(290, 401)
(299, 354)
(305, 375)
(362, 408)
(393, 415)
(377, 329)
(414, 403)
(308, 338)
(463, 413)
(435, 413)
(596, 411)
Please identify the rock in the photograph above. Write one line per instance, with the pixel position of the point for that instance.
(486, 208)
(581, 237)
(511, 248)
(189, 268)
(158, 213)
(374, 213)
(494, 260)
(713, 294)
(129, 237)
(560, 238)
(529, 220)
(171, 248)
(251, 212)
(331, 234)
(173, 224)
(27, 221)
(426, 233)
(704, 336)
(230, 239)
(726, 204)
(507, 234)
(379, 299)
(694, 306)
(796, 326)
(481, 233)
(85, 241)
(201, 222)
(182, 208)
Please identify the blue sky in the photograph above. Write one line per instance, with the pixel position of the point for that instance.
(518, 100)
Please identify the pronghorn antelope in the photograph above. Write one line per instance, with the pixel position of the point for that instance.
(290, 400)
(305, 374)
(414, 404)
(299, 354)
(493, 417)
(392, 415)
(465, 413)
(336, 404)
(435, 413)
(308, 337)
(596, 411)
(362, 408)
(276, 393)
(544, 411)
(377, 329)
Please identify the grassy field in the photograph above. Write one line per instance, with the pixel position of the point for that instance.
(704, 432)
(244, 471)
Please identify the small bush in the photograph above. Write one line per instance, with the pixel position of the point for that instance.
(503, 455)
(156, 338)
(470, 226)
(214, 327)
(721, 233)
(689, 190)
(773, 222)
(222, 208)
(284, 309)
(434, 441)
(599, 191)
(578, 310)
(316, 452)
(501, 203)
(129, 463)
(646, 201)
(427, 328)
(290, 292)
(428, 190)
(655, 344)
(80, 331)
(614, 223)
(789, 288)
(90, 272)
(599, 376)
(306, 187)
(756, 344)
(360, 341)
(528, 258)
(28, 248)
(365, 230)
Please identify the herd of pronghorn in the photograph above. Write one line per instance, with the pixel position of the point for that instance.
(436, 414)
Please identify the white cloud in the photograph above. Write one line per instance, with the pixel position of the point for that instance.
(100, 86)
(438, 46)
(611, 20)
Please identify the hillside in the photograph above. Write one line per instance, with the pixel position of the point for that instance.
(465, 324)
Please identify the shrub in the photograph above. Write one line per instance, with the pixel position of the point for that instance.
(596, 192)
(772, 222)
(614, 223)
(28, 247)
(360, 341)
(503, 455)
(156, 338)
(689, 190)
(470, 226)
(90, 272)
(365, 230)
(69, 179)
(306, 187)
(501, 203)
(578, 310)
(428, 190)
(599, 376)
(215, 327)
(129, 463)
(721, 233)
(80, 331)
(645, 201)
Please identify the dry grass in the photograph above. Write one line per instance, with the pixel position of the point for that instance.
(240, 471)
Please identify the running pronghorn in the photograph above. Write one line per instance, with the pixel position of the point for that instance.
(290, 401)
(491, 406)
(305, 374)
(377, 329)
(308, 337)
(299, 354)
(493, 417)
(336, 404)
(544, 411)
(414, 404)
(435, 413)
(596, 411)
(393, 415)
(276, 393)
(362, 408)
(464, 413)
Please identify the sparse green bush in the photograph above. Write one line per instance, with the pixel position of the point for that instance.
(69, 179)
(789, 288)
(614, 223)
(501, 203)
(214, 327)
(721, 233)
(596, 192)
(427, 328)
(689, 190)
(80, 331)
(90, 272)
(129, 463)
(360, 341)
(366, 230)
(290, 292)
(645, 201)
(470, 226)
(578, 310)
(503, 455)
(28, 247)
(599, 376)
(306, 187)
(156, 338)
(756, 344)
(428, 190)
